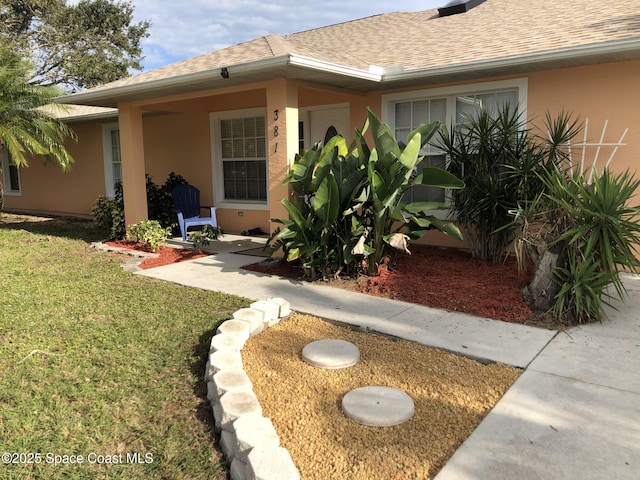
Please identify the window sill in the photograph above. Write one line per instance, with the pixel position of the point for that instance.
(242, 205)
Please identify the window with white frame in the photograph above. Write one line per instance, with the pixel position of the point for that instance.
(408, 116)
(10, 172)
(408, 110)
(240, 152)
(112, 159)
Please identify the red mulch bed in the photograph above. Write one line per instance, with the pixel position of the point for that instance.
(444, 278)
(166, 255)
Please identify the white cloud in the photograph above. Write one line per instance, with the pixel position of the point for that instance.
(182, 30)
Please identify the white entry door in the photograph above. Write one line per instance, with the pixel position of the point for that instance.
(324, 123)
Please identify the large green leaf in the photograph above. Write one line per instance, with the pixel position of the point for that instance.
(327, 201)
(379, 190)
(338, 142)
(293, 254)
(417, 207)
(409, 156)
(448, 228)
(429, 221)
(323, 167)
(437, 177)
(425, 131)
(383, 138)
(395, 213)
(351, 185)
(359, 147)
(287, 234)
(294, 214)
(300, 174)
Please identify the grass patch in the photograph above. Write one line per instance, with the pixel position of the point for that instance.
(96, 360)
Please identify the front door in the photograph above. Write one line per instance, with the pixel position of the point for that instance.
(320, 124)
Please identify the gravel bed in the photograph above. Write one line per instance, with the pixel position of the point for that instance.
(452, 394)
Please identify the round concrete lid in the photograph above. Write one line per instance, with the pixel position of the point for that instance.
(376, 406)
(330, 353)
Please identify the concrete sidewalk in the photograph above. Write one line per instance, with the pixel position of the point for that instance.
(573, 413)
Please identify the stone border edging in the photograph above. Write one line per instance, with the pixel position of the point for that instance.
(102, 246)
(136, 256)
(248, 440)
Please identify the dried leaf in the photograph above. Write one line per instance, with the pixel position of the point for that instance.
(399, 241)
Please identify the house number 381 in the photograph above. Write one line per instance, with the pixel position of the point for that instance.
(276, 116)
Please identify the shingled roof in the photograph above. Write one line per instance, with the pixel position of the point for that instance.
(497, 36)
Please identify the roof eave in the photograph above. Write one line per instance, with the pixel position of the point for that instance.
(90, 117)
(331, 73)
(110, 97)
(564, 57)
(328, 67)
(211, 78)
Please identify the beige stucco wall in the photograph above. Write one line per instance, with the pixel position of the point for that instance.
(180, 141)
(599, 93)
(47, 190)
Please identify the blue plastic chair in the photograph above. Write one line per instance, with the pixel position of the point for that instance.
(186, 200)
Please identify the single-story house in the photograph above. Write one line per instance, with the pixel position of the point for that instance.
(231, 121)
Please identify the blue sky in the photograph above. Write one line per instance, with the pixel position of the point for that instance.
(185, 29)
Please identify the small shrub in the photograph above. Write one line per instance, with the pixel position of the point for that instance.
(102, 211)
(201, 239)
(582, 289)
(160, 203)
(109, 213)
(118, 227)
(149, 232)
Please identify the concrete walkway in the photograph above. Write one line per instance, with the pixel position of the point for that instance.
(573, 413)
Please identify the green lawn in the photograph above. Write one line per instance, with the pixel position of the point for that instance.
(100, 363)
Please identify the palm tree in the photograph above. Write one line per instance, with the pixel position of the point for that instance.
(27, 125)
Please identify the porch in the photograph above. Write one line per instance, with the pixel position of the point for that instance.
(234, 144)
(228, 243)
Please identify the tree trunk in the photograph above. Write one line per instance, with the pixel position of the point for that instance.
(1, 194)
(541, 292)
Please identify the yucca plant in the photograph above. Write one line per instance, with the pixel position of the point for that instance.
(606, 229)
(500, 162)
(594, 233)
(582, 288)
(487, 151)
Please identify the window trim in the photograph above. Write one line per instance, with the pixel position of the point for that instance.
(217, 160)
(5, 163)
(107, 156)
(388, 102)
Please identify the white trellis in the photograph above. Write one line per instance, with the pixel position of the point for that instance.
(598, 146)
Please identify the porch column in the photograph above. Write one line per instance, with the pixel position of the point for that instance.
(283, 140)
(132, 156)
